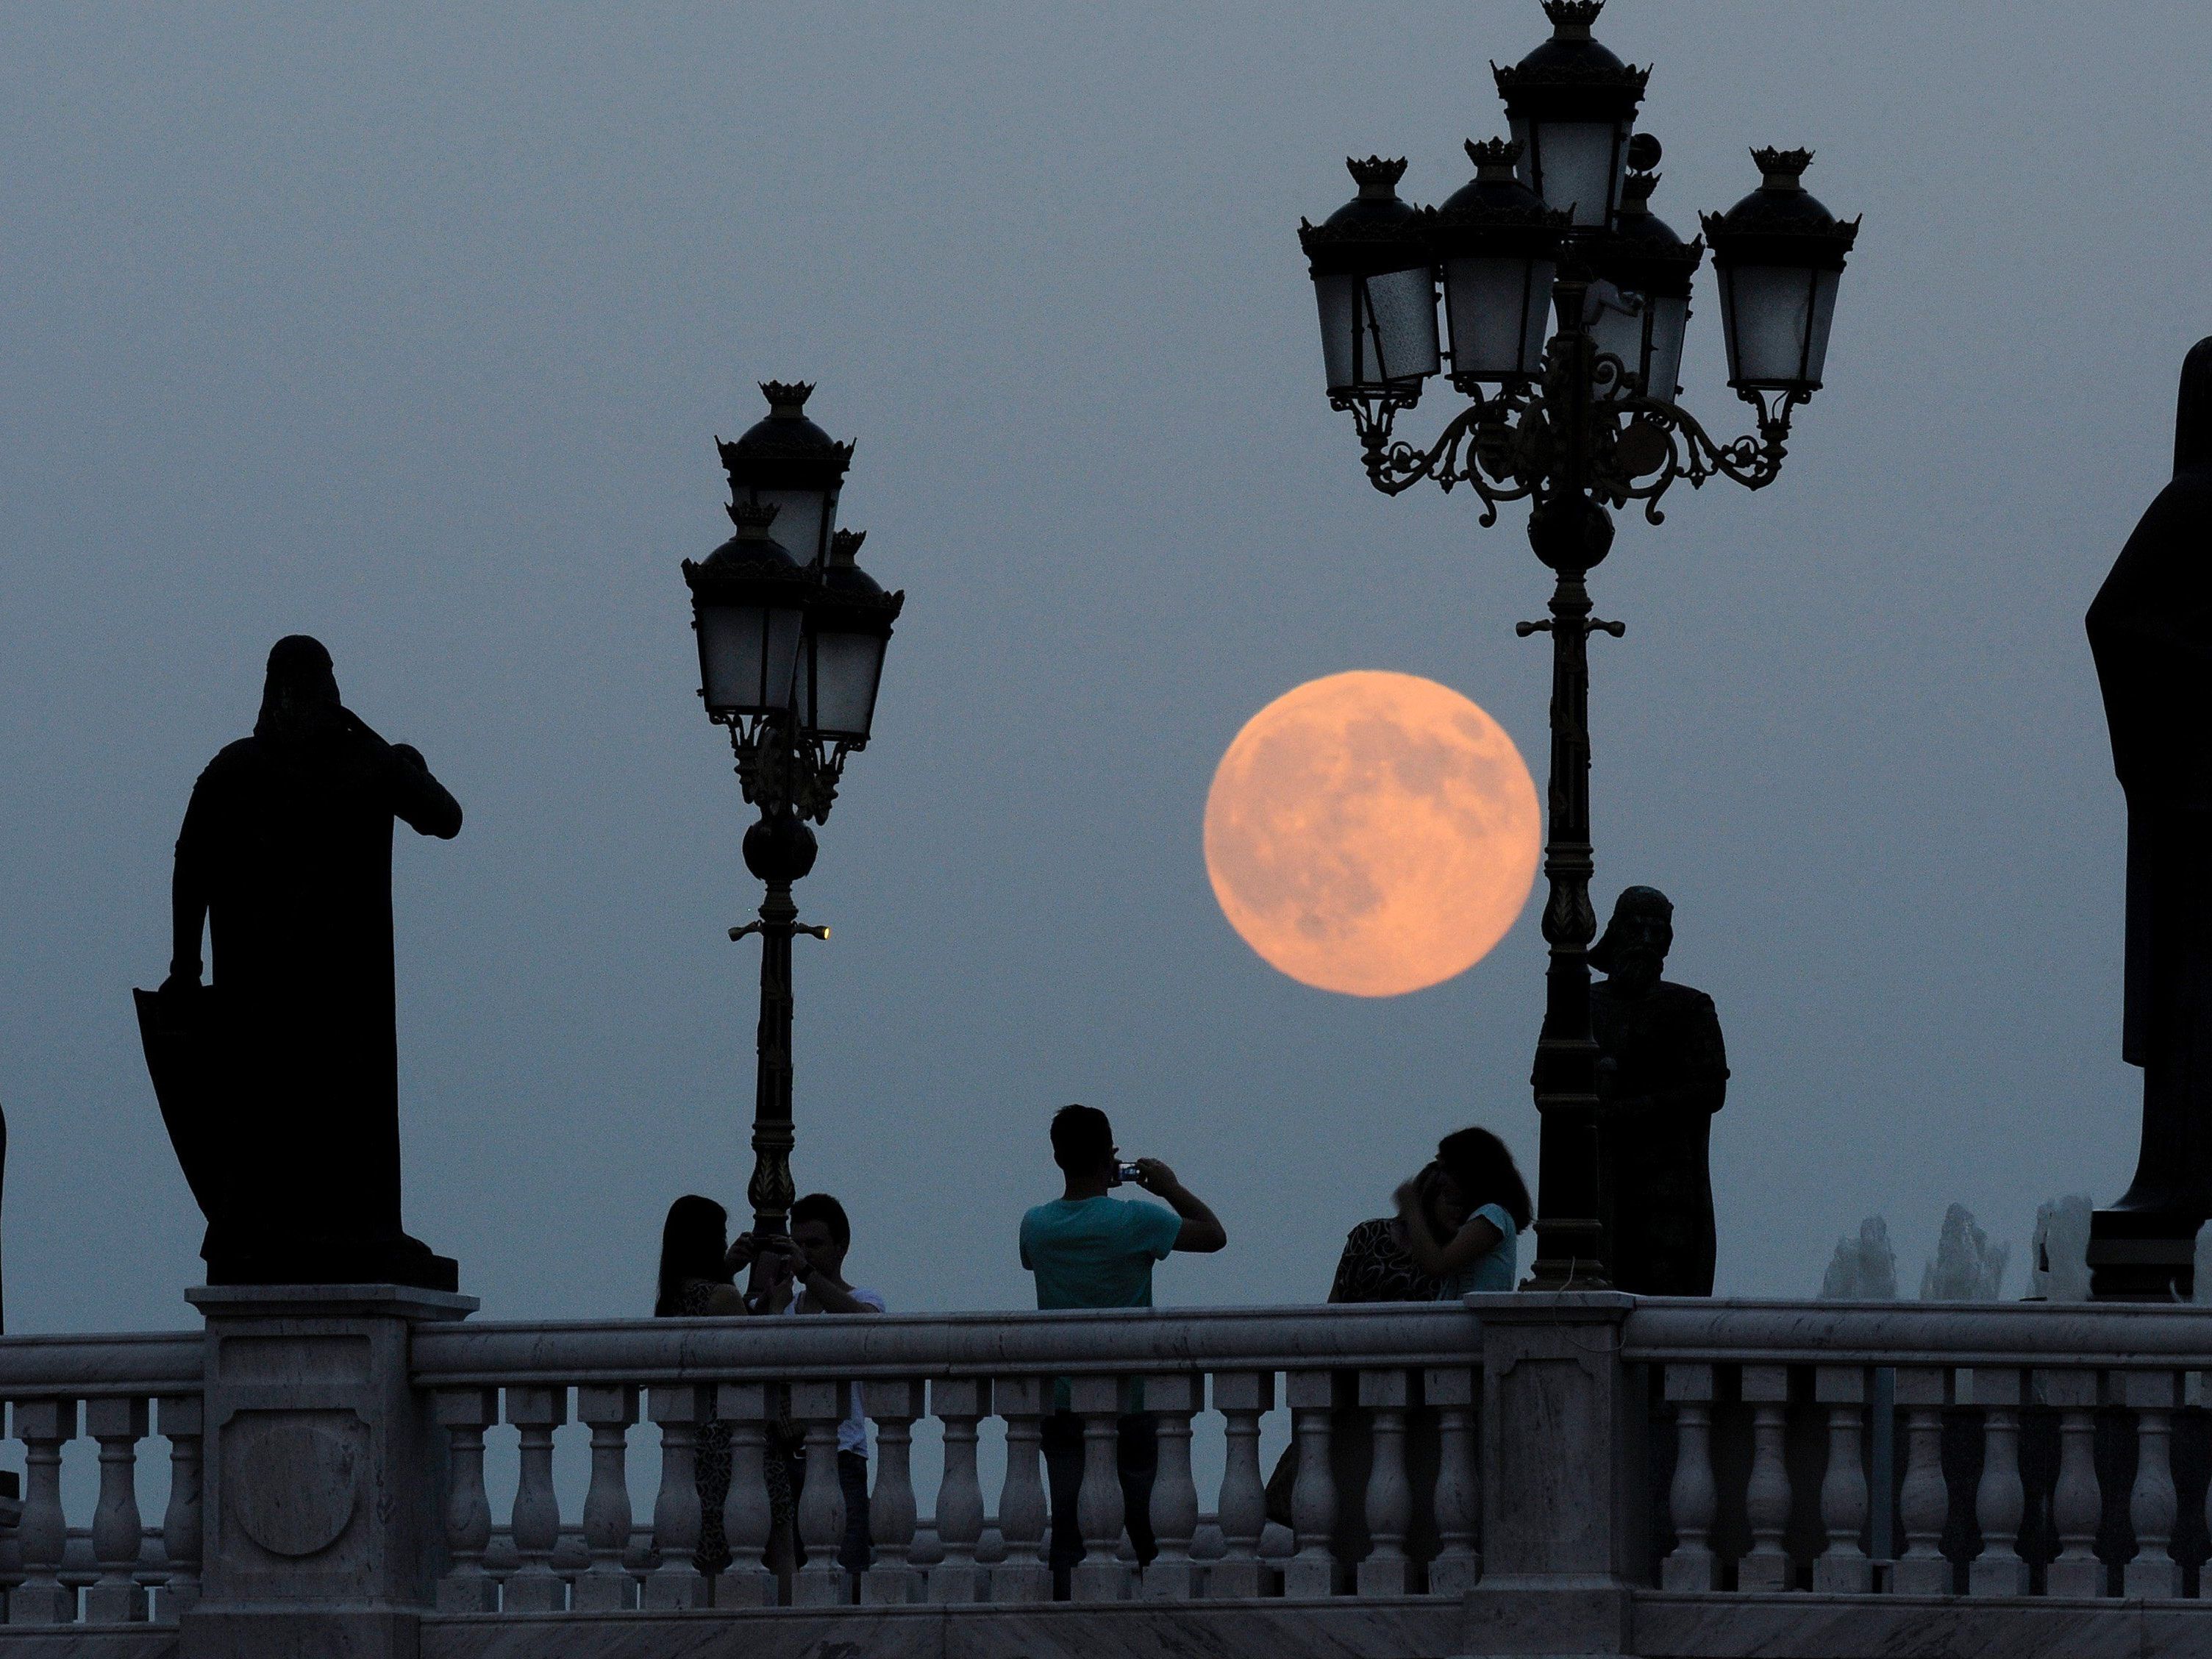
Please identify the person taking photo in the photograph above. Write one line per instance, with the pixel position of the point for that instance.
(1088, 1249)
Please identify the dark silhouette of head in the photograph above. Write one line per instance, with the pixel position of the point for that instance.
(1441, 1204)
(821, 1231)
(1636, 942)
(1082, 1139)
(694, 1243)
(1483, 1170)
(2192, 420)
(300, 695)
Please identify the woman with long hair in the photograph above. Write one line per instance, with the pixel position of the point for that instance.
(695, 1281)
(1480, 1184)
(695, 1276)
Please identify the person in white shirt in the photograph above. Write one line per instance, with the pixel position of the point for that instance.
(808, 1277)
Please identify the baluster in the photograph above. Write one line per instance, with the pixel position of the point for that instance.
(959, 1403)
(182, 1416)
(1022, 1576)
(678, 1521)
(607, 1585)
(1242, 1398)
(1922, 1505)
(2001, 1500)
(2077, 1504)
(1389, 1502)
(889, 1580)
(1099, 1576)
(119, 1531)
(747, 1519)
(1172, 1577)
(11, 1539)
(464, 1414)
(2153, 1572)
(821, 1407)
(534, 1587)
(1458, 1565)
(1694, 1498)
(43, 1426)
(1843, 1569)
(1766, 1495)
(1312, 1569)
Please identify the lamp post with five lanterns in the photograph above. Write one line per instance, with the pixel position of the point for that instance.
(792, 634)
(1557, 224)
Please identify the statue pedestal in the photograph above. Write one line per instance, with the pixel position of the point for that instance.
(2141, 1256)
(1562, 1462)
(321, 1472)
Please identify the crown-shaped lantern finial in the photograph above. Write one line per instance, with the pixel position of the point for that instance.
(1571, 19)
(845, 545)
(1635, 192)
(786, 399)
(1375, 176)
(752, 519)
(1493, 158)
(1781, 169)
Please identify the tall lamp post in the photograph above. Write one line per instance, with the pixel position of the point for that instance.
(792, 634)
(1555, 235)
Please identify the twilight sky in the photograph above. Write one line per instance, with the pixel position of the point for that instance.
(412, 328)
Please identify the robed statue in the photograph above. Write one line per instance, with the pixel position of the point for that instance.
(279, 1080)
(1662, 1072)
(2150, 631)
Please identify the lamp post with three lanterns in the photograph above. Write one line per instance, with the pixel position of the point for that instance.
(792, 634)
(1557, 223)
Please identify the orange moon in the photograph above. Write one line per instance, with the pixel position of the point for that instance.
(1371, 833)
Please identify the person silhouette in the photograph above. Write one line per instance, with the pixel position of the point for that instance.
(285, 857)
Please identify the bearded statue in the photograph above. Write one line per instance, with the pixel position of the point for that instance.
(1662, 1072)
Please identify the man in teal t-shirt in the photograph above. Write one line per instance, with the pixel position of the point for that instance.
(1088, 1250)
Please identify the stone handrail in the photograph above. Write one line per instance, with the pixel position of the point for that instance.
(859, 1347)
(132, 1362)
(1987, 1333)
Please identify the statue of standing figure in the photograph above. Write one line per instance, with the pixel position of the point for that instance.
(2150, 631)
(280, 1081)
(1662, 1072)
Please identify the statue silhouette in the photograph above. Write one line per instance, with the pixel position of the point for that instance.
(2150, 631)
(280, 1081)
(1662, 1072)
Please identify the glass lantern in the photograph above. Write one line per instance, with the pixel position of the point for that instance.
(1571, 105)
(849, 629)
(1779, 256)
(1499, 247)
(748, 604)
(1375, 286)
(789, 463)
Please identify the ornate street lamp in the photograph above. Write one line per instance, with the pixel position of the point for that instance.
(1558, 223)
(791, 651)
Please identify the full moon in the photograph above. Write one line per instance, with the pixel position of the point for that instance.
(1371, 833)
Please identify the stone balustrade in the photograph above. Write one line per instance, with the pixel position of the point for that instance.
(1587, 1473)
(1982, 1451)
(114, 1391)
(1373, 1373)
